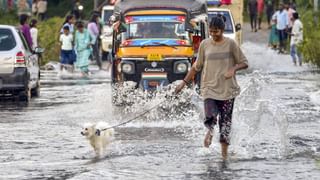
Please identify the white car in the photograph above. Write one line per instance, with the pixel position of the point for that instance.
(19, 65)
(230, 27)
(106, 34)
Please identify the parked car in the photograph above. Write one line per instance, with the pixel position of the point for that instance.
(19, 65)
(231, 28)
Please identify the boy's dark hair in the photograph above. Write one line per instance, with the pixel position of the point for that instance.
(68, 18)
(217, 22)
(66, 28)
(295, 15)
(80, 24)
(33, 23)
(23, 19)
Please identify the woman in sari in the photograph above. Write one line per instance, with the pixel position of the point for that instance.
(83, 49)
(273, 37)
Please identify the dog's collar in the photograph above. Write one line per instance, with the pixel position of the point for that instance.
(98, 132)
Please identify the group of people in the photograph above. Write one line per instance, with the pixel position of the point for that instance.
(284, 23)
(287, 28)
(29, 30)
(256, 10)
(77, 45)
(39, 9)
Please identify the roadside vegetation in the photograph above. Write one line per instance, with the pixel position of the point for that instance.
(311, 32)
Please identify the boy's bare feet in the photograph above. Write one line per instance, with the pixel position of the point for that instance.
(224, 151)
(208, 139)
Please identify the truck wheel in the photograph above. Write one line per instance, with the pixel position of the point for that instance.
(35, 92)
(25, 96)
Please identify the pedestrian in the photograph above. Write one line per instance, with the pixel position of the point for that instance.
(25, 29)
(83, 49)
(253, 10)
(273, 37)
(290, 12)
(34, 8)
(66, 54)
(23, 8)
(269, 11)
(10, 5)
(260, 8)
(76, 11)
(34, 33)
(42, 9)
(282, 27)
(296, 39)
(69, 21)
(219, 58)
(93, 29)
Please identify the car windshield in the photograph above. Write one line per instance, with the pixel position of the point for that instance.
(7, 41)
(106, 15)
(228, 24)
(155, 27)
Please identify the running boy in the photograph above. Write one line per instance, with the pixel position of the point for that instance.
(219, 59)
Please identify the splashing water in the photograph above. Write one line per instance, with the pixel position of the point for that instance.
(259, 123)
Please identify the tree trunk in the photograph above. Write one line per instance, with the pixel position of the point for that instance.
(96, 4)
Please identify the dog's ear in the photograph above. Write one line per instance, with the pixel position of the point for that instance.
(98, 132)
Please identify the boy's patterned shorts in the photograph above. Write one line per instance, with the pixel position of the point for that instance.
(223, 110)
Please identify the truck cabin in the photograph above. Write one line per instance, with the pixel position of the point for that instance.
(158, 20)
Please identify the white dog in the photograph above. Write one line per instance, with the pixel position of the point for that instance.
(99, 139)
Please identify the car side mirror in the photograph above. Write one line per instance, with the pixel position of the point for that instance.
(238, 27)
(38, 50)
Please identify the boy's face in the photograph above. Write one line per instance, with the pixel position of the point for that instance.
(80, 29)
(65, 31)
(215, 33)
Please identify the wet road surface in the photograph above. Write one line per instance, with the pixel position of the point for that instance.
(275, 130)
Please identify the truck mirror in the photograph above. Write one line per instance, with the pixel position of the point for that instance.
(238, 27)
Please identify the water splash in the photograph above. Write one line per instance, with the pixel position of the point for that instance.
(259, 123)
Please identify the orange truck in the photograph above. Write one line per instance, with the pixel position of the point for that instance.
(155, 41)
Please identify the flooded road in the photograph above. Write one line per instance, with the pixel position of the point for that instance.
(275, 131)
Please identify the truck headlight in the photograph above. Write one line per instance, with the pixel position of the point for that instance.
(181, 67)
(127, 68)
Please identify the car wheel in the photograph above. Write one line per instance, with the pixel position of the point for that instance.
(25, 95)
(36, 91)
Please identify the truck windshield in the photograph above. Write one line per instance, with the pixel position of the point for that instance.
(228, 24)
(155, 27)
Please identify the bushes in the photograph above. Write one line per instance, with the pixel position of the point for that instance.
(9, 18)
(49, 38)
(311, 32)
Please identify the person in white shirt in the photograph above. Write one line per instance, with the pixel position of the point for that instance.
(66, 41)
(42, 9)
(282, 27)
(296, 39)
(34, 33)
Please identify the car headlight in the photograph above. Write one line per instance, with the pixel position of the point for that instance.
(181, 67)
(127, 68)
